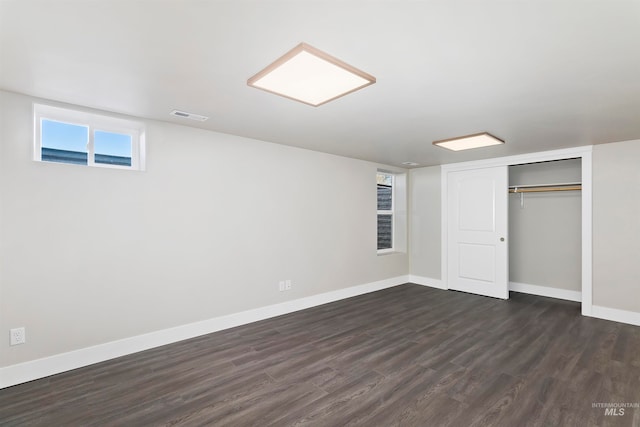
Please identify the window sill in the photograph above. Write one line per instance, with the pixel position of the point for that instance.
(387, 252)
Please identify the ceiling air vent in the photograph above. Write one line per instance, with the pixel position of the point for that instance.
(185, 115)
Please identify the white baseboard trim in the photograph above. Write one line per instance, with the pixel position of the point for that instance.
(623, 316)
(40, 368)
(545, 291)
(427, 281)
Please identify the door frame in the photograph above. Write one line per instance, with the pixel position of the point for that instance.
(585, 154)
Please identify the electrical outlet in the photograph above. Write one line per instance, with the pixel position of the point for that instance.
(284, 285)
(18, 336)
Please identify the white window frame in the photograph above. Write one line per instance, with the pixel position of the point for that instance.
(399, 213)
(94, 122)
(389, 212)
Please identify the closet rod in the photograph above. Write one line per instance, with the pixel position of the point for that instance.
(574, 186)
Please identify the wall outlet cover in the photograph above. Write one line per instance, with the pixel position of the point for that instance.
(18, 336)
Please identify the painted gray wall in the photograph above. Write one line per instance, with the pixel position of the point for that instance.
(88, 255)
(616, 225)
(545, 235)
(92, 255)
(425, 235)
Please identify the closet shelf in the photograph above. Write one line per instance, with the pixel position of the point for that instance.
(569, 186)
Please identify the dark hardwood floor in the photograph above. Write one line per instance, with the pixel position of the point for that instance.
(408, 355)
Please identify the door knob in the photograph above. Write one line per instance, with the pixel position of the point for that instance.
(502, 239)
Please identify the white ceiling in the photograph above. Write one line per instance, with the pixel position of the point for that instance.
(538, 74)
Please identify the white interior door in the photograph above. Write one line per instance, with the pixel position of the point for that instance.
(477, 231)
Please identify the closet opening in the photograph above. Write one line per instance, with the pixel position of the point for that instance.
(545, 228)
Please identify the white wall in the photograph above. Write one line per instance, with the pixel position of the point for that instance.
(616, 225)
(545, 231)
(425, 235)
(90, 255)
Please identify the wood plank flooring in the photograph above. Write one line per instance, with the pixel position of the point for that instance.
(406, 356)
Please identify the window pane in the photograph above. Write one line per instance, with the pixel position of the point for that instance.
(64, 142)
(385, 228)
(384, 197)
(112, 148)
(384, 178)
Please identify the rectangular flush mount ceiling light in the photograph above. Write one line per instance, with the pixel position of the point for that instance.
(311, 76)
(468, 142)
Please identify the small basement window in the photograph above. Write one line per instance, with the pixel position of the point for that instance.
(392, 212)
(79, 138)
(385, 183)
